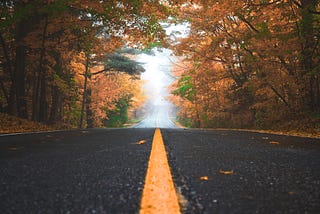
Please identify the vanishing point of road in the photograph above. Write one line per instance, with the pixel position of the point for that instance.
(203, 171)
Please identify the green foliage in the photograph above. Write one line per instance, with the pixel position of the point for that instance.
(72, 116)
(153, 45)
(149, 50)
(119, 115)
(55, 7)
(119, 62)
(185, 88)
(153, 25)
(185, 121)
(27, 10)
(264, 31)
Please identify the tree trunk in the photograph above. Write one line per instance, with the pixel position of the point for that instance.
(55, 114)
(308, 43)
(56, 98)
(89, 113)
(84, 96)
(11, 95)
(19, 73)
(43, 110)
(40, 104)
(318, 93)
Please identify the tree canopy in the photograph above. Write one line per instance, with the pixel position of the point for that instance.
(250, 64)
(247, 63)
(49, 50)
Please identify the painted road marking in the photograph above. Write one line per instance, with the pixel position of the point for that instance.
(159, 194)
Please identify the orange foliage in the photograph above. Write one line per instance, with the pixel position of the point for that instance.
(108, 88)
(249, 63)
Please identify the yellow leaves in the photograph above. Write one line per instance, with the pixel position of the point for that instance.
(274, 143)
(11, 124)
(108, 89)
(226, 172)
(204, 178)
(141, 142)
(221, 171)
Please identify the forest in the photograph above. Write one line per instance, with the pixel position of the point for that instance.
(71, 62)
(250, 64)
(245, 64)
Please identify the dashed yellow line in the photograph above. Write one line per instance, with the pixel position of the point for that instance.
(159, 194)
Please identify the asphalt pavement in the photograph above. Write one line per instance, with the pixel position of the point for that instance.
(103, 171)
(244, 172)
(88, 171)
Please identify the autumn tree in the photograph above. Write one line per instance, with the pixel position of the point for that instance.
(42, 40)
(266, 55)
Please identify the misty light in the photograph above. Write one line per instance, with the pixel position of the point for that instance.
(157, 78)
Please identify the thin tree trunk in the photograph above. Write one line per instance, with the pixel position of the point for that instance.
(318, 93)
(56, 96)
(43, 110)
(40, 104)
(19, 74)
(89, 112)
(282, 98)
(307, 33)
(84, 96)
(55, 114)
(11, 95)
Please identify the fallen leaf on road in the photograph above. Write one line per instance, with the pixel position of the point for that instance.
(226, 172)
(291, 193)
(15, 148)
(204, 178)
(141, 142)
(274, 143)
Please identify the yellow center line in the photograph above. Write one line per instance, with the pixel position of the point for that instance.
(159, 194)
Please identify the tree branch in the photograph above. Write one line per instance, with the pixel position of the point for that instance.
(242, 18)
(264, 4)
(279, 95)
(99, 72)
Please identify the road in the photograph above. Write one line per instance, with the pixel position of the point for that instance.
(104, 170)
(244, 172)
(159, 116)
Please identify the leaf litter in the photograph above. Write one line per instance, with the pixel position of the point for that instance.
(141, 142)
(231, 172)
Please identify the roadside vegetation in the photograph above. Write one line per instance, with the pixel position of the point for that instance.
(71, 62)
(250, 65)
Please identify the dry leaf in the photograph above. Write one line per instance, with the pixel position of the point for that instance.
(15, 148)
(141, 142)
(291, 193)
(226, 172)
(204, 178)
(274, 143)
